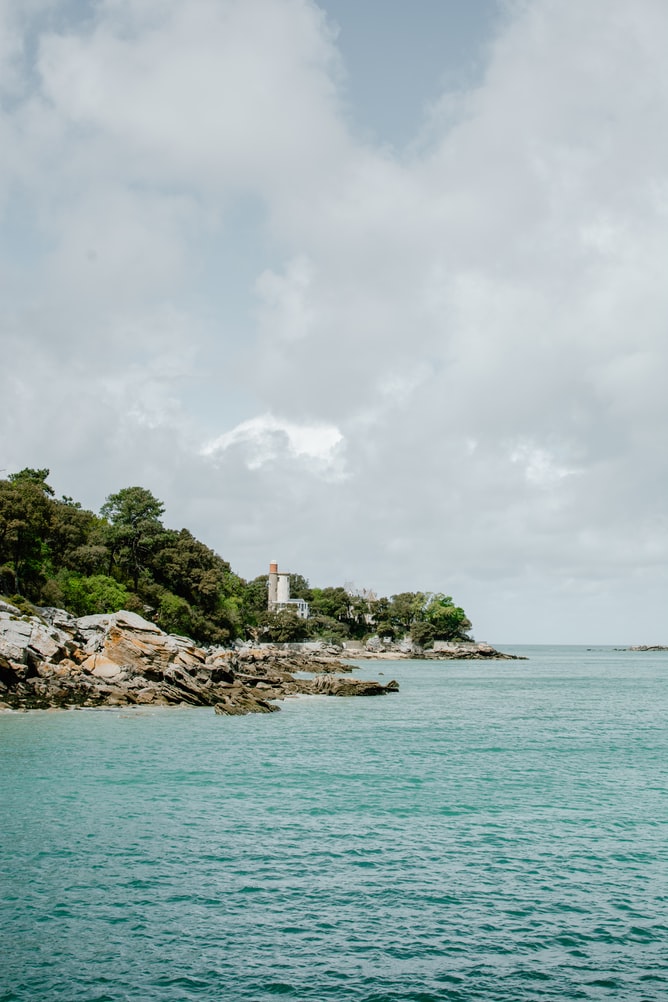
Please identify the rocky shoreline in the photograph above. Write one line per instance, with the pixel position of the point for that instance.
(465, 650)
(53, 660)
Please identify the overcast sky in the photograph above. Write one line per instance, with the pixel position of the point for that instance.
(374, 288)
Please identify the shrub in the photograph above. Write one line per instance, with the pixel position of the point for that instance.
(87, 596)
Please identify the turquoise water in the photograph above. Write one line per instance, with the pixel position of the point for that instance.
(496, 831)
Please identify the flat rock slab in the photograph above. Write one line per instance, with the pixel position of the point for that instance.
(102, 667)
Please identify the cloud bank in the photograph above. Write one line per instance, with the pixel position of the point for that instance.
(438, 367)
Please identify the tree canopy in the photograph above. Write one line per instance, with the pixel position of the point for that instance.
(134, 529)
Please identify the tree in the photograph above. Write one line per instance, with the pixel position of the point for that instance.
(359, 615)
(85, 596)
(284, 626)
(423, 634)
(135, 529)
(175, 615)
(255, 598)
(450, 622)
(299, 587)
(405, 608)
(26, 511)
(331, 602)
(76, 539)
(327, 629)
(190, 569)
(30, 476)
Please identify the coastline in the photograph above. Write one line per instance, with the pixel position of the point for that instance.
(53, 660)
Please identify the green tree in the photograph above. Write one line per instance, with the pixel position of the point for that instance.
(380, 617)
(359, 615)
(405, 609)
(190, 569)
(175, 615)
(135, 529)
(26, 511)
(299, 587)
(30, 476)
(449, 621)
(328, 629)
(423, 634)
(86, 596)
(333, 603)
(76, 539)
(283, 627)
(255, 599)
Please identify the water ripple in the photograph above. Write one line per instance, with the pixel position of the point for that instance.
(496, 832)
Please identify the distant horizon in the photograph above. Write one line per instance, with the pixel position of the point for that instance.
(564, 643)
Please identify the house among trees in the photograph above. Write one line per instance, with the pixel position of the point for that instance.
(279, 593)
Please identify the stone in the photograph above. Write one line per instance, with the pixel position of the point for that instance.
(238, 704)
(121, 659)
(102, 667)
(47, 645)
(129, 649)
(15, 628)
(332, 685)
(95, 623)
(131, 621)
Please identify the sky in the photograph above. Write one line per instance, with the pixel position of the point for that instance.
(374, 289)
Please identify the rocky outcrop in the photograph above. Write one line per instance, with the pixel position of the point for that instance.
(238, 701)
(468, 650)
(53, 660)
(332, 685)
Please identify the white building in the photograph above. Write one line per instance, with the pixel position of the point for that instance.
(279, 593)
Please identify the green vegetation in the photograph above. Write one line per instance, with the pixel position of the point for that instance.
(53, 552)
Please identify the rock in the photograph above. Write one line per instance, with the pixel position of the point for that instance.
(102, 667)
(12, 625)
(134, 650)
(381, 650)
(219, 675)
(242, 702)
(58, 618)
(131, 621)
(468, 650)
(121, 659)
(332, 685)
(47, 645)
(96, 623)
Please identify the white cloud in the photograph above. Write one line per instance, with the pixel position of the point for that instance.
(456, 355)
(267, 436)
(540, 467)
(286, 314)
(214, 91)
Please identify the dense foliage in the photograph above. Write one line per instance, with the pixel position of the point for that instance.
(53, 552)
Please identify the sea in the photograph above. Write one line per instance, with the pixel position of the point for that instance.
(494, 831)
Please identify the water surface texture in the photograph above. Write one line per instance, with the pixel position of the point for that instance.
(496, 831)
